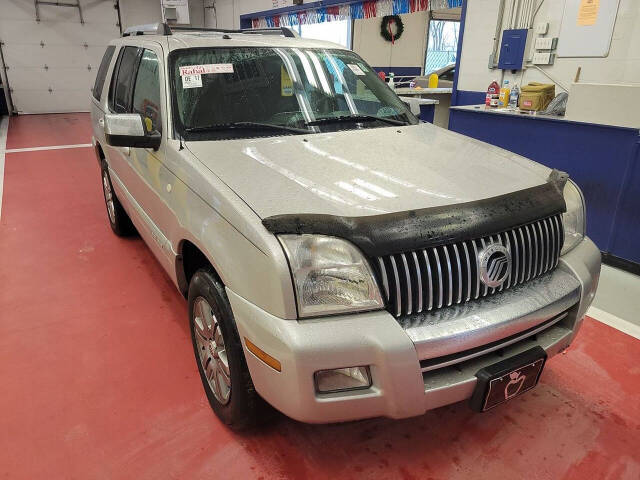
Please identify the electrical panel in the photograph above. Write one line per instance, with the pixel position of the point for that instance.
(512, 49)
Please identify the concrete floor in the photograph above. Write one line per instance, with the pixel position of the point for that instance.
(99, 379)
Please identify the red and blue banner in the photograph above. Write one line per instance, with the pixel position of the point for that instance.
(353, 10)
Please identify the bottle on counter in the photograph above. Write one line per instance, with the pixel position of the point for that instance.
(503, 99)
(513, 97)
(493, 92)
(433, 80)
(391, 83)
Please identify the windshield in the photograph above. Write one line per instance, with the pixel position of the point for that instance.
(245, 92)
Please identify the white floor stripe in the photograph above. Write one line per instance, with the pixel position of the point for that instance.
(615, 322)
(4, 128)
(52, 147)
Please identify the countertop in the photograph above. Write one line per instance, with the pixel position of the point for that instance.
(423, 91)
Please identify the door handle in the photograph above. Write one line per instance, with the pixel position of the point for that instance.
(126, 151)
(101, 122)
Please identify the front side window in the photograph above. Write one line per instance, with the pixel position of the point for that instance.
(102, 72)
(146, 93)
(243, 92)
(122, 78)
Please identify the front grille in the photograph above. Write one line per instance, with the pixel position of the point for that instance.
(435, 277)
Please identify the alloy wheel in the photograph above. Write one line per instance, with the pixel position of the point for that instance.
(108, 197)
(211, 350)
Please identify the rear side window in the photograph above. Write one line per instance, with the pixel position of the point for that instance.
(120, 90)
(146, 93)
(102, 72)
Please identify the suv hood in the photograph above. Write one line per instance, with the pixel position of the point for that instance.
(365, 172)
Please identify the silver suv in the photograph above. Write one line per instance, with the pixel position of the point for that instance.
(341, 260)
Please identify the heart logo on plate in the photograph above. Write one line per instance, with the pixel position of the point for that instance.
(515, 385)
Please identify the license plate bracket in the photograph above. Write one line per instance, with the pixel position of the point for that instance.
(507, 379)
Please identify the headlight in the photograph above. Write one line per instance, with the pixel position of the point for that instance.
(330, 275)
(574, 217)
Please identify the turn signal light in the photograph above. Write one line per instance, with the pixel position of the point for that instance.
(262, 355)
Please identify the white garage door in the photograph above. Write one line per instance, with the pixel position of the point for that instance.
(52, 63)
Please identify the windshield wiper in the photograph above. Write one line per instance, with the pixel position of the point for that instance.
(354, 118)
(244, 126)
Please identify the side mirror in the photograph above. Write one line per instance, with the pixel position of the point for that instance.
(128, 130)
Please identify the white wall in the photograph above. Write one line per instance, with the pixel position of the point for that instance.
(407, 52)
(229, 11)
(140, 12)
(621, 66)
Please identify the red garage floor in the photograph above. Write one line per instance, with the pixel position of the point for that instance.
(99, 381)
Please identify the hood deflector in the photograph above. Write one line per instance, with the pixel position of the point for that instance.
(398, 232)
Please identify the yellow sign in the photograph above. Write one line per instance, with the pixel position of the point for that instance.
(286, 84)
(588, 12)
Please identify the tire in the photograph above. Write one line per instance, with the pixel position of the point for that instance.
(118, 218)
(239, 406)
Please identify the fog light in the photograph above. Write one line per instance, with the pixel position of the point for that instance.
(342, 379)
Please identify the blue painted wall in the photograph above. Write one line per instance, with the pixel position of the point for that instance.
(603, 160)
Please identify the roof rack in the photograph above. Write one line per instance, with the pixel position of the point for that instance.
(165, 29)
(149, 28)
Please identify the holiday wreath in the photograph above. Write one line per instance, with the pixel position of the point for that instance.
(386, 28)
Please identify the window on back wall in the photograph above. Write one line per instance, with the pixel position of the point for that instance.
(442, 46)
(337, 31)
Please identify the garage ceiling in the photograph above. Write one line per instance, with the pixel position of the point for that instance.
(51, 64)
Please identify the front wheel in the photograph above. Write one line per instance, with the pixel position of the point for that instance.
(219, 356)
(118, 219)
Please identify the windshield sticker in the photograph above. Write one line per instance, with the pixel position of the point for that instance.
(355, 69)
(203, 69)
(286, 84)
(362, 66)
(191, 81)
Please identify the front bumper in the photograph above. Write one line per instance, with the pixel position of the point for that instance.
(419, 363)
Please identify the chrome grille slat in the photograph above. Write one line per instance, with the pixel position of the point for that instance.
(435, 277)
(534, 235)
(560, 236)
(549, 247)
(542, 251)
(475, 256)
(449, 275)
(530, 249)
(396, 277)
(429, 281)
(515, 259)
(485, 289)
(459, 273)
(385, 280)
(408, 287)
(418, 280)
(503, 239)
(439, 267)
(523, 251)
(466, 255)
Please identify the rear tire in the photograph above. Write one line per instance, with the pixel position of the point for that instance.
(118, 218)
(219, 355)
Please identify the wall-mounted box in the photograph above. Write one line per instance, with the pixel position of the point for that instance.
(512, 50)
(542, 28)
(546, 43)
(543, 58)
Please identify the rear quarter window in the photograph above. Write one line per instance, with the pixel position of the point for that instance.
(121, 82)
(102, 72)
